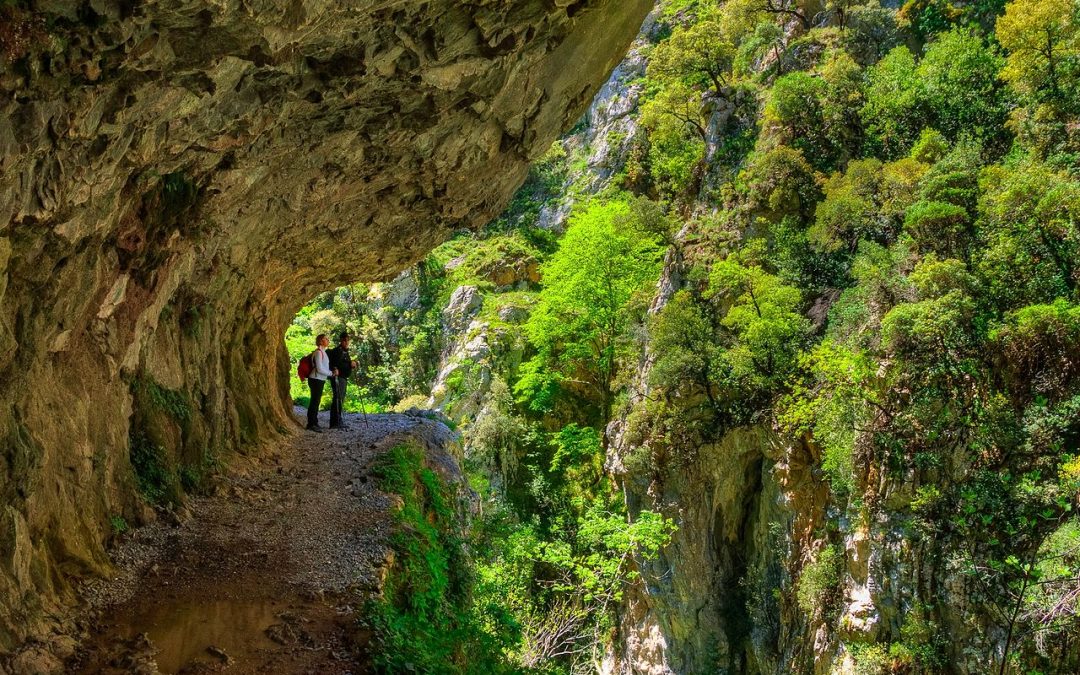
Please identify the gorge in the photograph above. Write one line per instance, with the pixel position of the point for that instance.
(770, 363)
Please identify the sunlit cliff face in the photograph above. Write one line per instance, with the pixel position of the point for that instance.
(179, 177)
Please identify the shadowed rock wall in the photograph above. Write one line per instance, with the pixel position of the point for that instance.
(178, 177)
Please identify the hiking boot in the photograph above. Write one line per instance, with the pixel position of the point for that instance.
(316, 429)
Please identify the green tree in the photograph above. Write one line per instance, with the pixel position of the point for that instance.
(959, 76)
(583, 312)
(1031, 251)
(870, 33)
(934, 335)
(954, 89)
(1042, 38)
(676, 125)
(796, 115)
(895, 109)
(764, 318)
(939, 227)
(780, 182)
(1037, 348)
(686, 351)
(850, 211)
(699, 54)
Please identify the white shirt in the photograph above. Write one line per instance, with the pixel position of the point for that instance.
(322, 365)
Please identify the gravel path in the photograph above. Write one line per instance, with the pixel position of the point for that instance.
(263, 576)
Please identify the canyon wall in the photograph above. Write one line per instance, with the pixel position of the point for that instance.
(179, 177)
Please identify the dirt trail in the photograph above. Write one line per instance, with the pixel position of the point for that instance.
(264, 576)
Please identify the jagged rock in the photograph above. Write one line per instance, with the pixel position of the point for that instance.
(36, 660)
(464, 303)
(402, 292)
(514, 273)
(609, 130)
(514, 315)
(180, 178)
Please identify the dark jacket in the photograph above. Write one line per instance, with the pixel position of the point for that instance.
(340, 359)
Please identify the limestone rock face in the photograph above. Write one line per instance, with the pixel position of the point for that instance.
(179, 177)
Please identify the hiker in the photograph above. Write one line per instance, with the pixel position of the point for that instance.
(320, 370)
(342, 366)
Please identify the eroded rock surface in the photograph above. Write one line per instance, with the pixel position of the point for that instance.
(175, 175)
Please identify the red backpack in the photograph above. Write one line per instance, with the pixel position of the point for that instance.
(304, 367)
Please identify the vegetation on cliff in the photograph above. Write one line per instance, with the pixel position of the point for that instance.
(871, 225)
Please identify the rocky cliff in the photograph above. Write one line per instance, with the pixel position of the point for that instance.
(180, 177)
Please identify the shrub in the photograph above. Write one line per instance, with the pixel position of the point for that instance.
(154, 475)
(780, 182)
(1038, 349)
(818, 588)
(939, 227)
(424, 621)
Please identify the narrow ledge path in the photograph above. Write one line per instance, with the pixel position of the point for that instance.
(266, 574)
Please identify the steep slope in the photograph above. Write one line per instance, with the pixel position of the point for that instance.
(855, 389)
(179, 178)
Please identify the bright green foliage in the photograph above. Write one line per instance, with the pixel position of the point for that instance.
(424, 620)
(1032, 252)
(1053, 600)
(959, 78)
(930, 147)
(895, 111)
(939, 227)
(497, 434)
(816, 110)
(599, 571)
(801, 112)
(698, 54)
(955, 177)
(818, 588)
(119, 525)
(1042, 39)
(1039, 346)
(840, 104)
(683, 340)
(578, 326)
(834, 406)
(781, 183)
(765, 42)
(764, 318)
(850, 211)
(676, 123)
(954, 88)
(934, 332)
(926, 18)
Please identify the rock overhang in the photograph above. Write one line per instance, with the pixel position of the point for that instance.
(178, 177)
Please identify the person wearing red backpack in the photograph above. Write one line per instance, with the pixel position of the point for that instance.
(320, 371)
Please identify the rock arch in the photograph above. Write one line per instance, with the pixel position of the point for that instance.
(173, 177)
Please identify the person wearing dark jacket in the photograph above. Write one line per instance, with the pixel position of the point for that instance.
(341, 364)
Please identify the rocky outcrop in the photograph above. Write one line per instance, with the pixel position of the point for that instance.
(180, 177)
(720, 597)
(609, 129)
